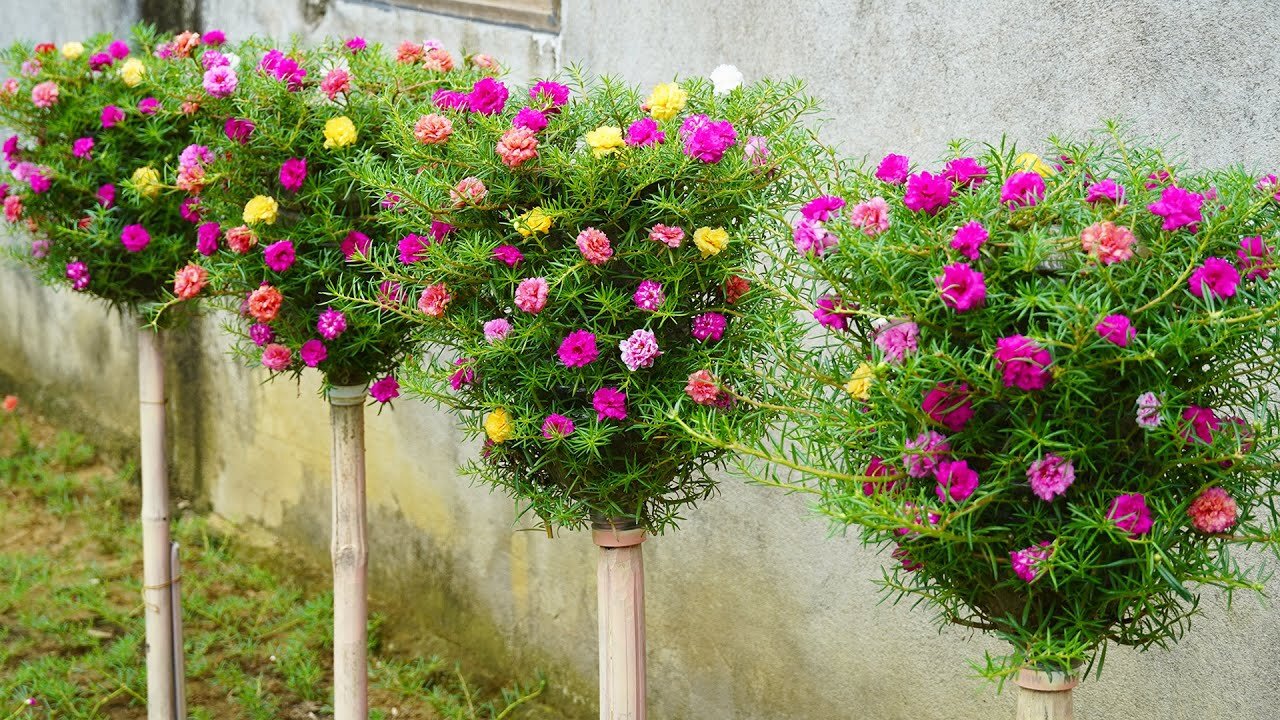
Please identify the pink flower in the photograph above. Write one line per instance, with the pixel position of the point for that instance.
(331, 323)
(756, 151)
(385, 390)
(434, 299)
(118, 49)
(811, 238)
(356, 44)
(709, 326)
(897, 340)
(82, 148)
(45, 94)
(77, 272)
(670, 235)
(189, 281)
(1050, 476)
(111, 116)
(285, 68)
(610, 403)
(134, 238)
(261, 334)
(279, 256)
(706, 139)
(1216, 274)
(446, 99)
(496, 330)
(1148, 410)
(390, 201)
(100, 61)
(220, 81)
(487, 97)
(964, 172)
(961, 287)
(355, 243)
(1130, 514)
(1026, 561)
(1270, 184)
(313, 352)
(148, 106)
(927, 193)
(872, 216)
(241, 239)
(1022, 362)
(639, 350)
(1105, 191)
(214, 38)
(1022, 189)
(1200, 423)
(238, 129)
(527, 117)
(468, 191)
(440, 229)
(822, 208)
(413, 248)
(594, 246)
(929, 448)
(1179, 208)
(1255, 258)
(702, 388)
(1116, 329)
(190, 210)
(830, 313)
(464, 375)
(969, 238)
(549, 95)
(39, 249)
(649, 295)
(644, 132)
(264, 303)
(956, 481)
(578, 349)
(276, 357)
(293, 173)
(336, 82)
(556, 426)
(903, 556)
(509, 254)
(1213, 511)
(949, 405)
(107, 195)
(878, 468)
(893, 169)
(11, 405)
(391, 294)
(433, 129)
(1108, 242)
(531, 295)
(517, 146)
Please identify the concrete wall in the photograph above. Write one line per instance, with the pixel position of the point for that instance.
(754, 612)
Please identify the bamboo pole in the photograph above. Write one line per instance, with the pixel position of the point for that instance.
(179, 660)
(350, 555)
(1044, 695)
(156, 591)
(620, 594)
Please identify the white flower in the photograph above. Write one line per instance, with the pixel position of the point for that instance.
(233, 60)
(726, 78)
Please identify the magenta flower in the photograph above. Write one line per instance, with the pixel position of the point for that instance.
(464, 375)
(214, 38)
(238, 129)
(578, 349)
(100, 61)
(897, 340)
(639, 350)
(1213, 511)
(1200, 423)
(440, 230)
(1105, 191)
(1130, 514)
(531, 295)
(961, 287)
(924, 453)
(811, 238)
(1179, 208)
(355, 243)
(385, 390)
(413, 248)
(391, 294)
(1217, 275)
(293, 172)
(649, 295)
(148, 106)
(830, 313)
(134, 238)
(190, 210)
(1026, 562)
(1022, 362)
(487, 97)
(949, 405)
(78, 273)
(1255, 258)
(509, 254)
(556, 426)
(1022, 189)
(822, 208)
(645, 132)
(446, 99)
(956, 481)
(331, 323)
(313, 352)
(549, 95)
(1050, 476)
(927, 193)
(261, 334)
(82, 148)
(276, 357)
(280, 255)
(282, 67)
(609, 403)
(356, 44)
(220, 81)
(527, 117)
(872, 216)
(969, 238)
(1116, 329)
(118, 49)
(111, 116)
(964, 172)
(877, 467)
(893, 169)
(709, 326)
(706, 139)
(497, 330)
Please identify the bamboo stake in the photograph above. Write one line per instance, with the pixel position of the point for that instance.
(1044, 696)
(156, 591)
(620, 594)
(179, 660)
(350, 555)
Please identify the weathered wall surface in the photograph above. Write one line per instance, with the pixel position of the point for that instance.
(753, 611)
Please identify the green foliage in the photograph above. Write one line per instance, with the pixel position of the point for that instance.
(1096, 582)
(641, 468)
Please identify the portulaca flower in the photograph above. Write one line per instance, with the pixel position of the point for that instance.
(726, 78)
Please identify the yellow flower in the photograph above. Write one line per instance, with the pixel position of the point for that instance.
(710, 240)
(604, 140)
(72, 50)
(667, 100)
(147, 181)
(498, 426)
(859, 384)
(1033, 163)
(534, 221)
(260, 209)
(132, 71)
(339, 132)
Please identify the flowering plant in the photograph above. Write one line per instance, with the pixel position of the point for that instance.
(284, 217)
(95, 132)
(573, 258)
(1046, 387)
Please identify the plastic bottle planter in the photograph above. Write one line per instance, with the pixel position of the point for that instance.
(1044, 695)
(350, 551)
(620, 594)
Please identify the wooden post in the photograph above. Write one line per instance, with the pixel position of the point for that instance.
(156, 592)
(620, 592)
(1044, 695)
(179, 660)
(350, 555)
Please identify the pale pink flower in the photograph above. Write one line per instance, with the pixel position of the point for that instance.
(872, 216)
